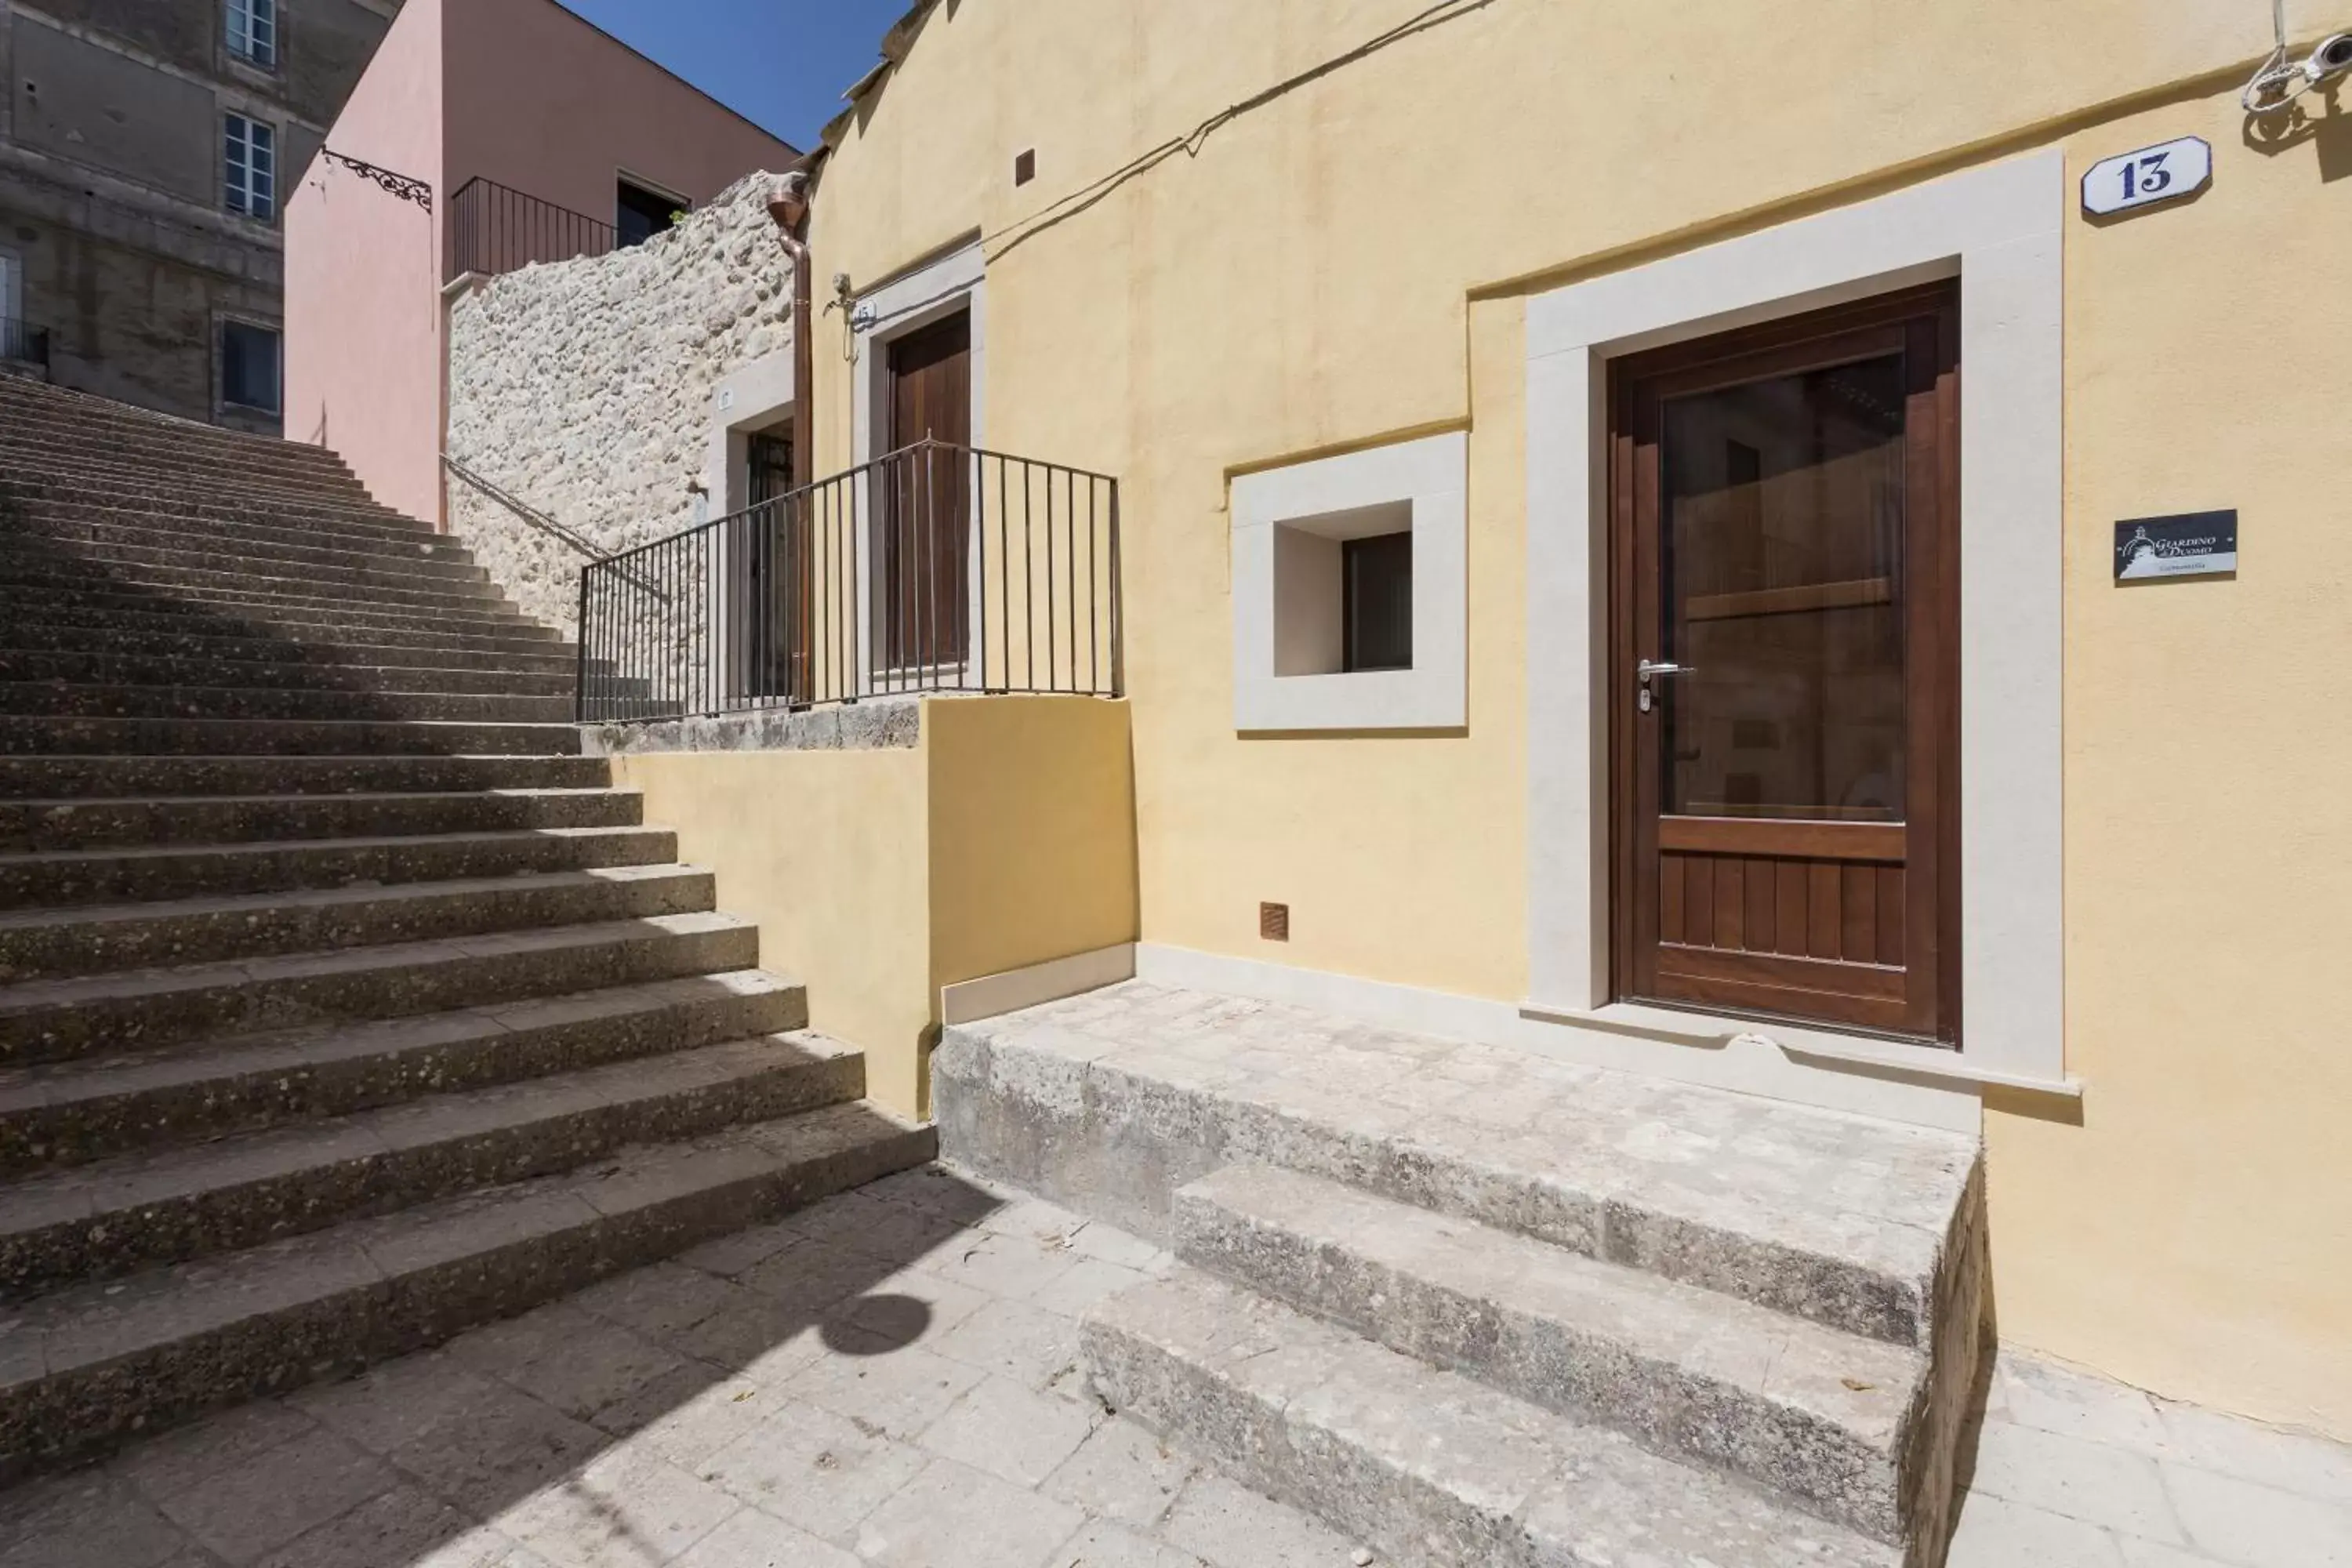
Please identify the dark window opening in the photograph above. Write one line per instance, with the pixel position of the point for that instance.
(641, 214)
(1376, 601)
(248, 366)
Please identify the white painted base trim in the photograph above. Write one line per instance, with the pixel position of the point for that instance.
(1878, 1078)
(968, 1001)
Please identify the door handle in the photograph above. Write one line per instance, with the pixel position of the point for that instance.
(1646, 670)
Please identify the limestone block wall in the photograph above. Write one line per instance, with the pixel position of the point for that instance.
(583, 390)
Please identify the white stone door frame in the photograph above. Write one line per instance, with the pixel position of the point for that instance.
(952, 282)
(2000, 230)
(752, 396)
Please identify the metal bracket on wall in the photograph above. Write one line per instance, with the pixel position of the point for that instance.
(402, 185)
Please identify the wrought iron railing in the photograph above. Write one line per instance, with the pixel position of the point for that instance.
(495, 229)
(936, 568)
(24, 342)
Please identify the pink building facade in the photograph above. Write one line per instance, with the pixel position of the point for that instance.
(540, 137)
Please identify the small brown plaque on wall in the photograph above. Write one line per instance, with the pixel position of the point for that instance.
(1274, 922)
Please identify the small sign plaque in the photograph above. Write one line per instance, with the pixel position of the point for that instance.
(2192, 545)
(2161, 174)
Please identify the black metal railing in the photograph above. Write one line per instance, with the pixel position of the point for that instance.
(495, 229)
(23, 342)
(936, 568)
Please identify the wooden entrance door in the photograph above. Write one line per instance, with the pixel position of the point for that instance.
(922, 614)
(1784, 668)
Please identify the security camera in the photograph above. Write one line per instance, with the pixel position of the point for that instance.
(2330, 60)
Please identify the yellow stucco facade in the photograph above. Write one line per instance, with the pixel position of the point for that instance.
(1351, 262)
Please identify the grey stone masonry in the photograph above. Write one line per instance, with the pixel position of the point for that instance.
(1613, 1304)
(345, 1003)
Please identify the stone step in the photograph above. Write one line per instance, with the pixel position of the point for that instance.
(331, 637)
(137, 1010)
(25, 486)
(105, 556)
(177, 470)
(328, 615)
(1112, 1101)
(120, 775)
(175, 824)
(206, 585)
(38, 435)
(21, 735)
(90, 668)
(70, 878)
(55, 944)
(75, 698)
(27, 632)
(74, 1112)
(77, 529)
(91, 417)
(1428, 1467)
(1838, 1424)
(341, 534)
(84, 1368)
(137, 1211)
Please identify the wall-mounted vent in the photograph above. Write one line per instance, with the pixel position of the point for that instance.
(1024, 166)
(1274, 922)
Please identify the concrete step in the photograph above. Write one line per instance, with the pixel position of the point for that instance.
(1836, 1424)
(230, 580)
(121, 775)
(84, 529)
(34, 435)
(1428, 1467)
(20, 735)
(89, 416)
(1112, 1101)
(28, 632)
(180, 471)
(129, 1010)
(74, 1112)
(57, 880)
(296, 635)
(55, 943)
(83, 1368)
(77, 699)
(88, 668)
(174, 823)
(137, 1211)
(384, 569)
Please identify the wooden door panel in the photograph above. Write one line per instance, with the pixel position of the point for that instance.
(1782, 508)
(924, 532)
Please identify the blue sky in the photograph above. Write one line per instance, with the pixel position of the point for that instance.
(782, 63)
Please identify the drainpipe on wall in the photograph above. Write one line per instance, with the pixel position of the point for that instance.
(790, 209)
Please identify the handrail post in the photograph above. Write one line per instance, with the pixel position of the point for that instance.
(579, 641)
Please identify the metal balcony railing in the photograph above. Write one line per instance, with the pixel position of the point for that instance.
(495, 229)
(936, 568)
(23, 342)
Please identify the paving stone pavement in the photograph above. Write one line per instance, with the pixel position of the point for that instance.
(889, 1378)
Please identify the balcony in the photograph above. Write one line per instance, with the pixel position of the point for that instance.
(495, 229)
(935, 569)
(22, 344)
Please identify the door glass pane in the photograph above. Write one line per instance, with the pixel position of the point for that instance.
(1782, 537)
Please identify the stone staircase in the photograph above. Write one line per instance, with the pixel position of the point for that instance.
(1483, 1309)
(342, 1002)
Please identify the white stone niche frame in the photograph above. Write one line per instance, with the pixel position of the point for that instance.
(2000, 230)
(1281, 520)
(955, 280)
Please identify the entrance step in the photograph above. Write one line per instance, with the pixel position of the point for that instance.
(1489, 1307)
(86, 1366)
(1828, 1417)
(1429, 1468)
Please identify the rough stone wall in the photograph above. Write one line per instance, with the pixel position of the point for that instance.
(583, 390)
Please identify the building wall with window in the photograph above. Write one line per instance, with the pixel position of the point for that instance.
(529, 100)
(146, 150)
(1372, 257)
